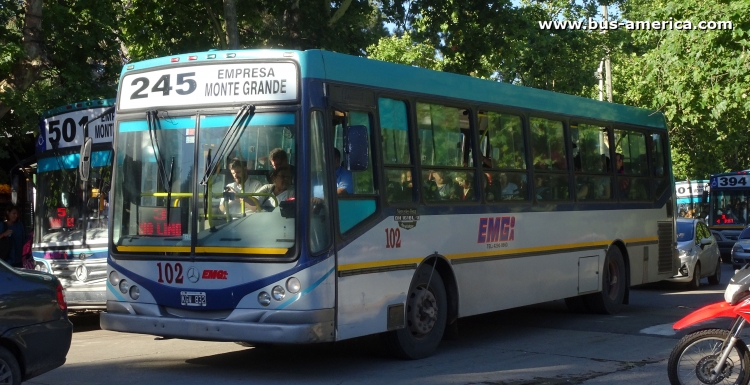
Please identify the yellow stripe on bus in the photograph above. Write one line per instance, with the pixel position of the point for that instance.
(241, 250)
(155, 249)
(528, 250)
(369, 265)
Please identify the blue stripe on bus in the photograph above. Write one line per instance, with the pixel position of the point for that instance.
(114, 291)
(257, 120)
(218, 299)
(64, 162)
(163, 124)
(304, 292)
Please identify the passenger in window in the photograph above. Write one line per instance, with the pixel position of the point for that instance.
(487, 187)
(444, 189)
(281, 188)
(541, 189)
(406, 180)
(508, 190)
(279, 158)
(344, 183)
(241, 184)
(624, 183)
(464, 183)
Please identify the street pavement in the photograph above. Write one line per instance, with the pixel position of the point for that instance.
(542, 344)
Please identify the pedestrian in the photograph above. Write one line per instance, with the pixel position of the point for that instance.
(16, 233)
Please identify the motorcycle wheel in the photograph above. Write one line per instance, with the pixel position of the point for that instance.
(696, 354)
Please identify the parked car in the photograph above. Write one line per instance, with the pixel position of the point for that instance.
(699, 253)
(35, 331)
(741, 249)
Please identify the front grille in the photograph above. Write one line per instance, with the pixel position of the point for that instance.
(665, 233)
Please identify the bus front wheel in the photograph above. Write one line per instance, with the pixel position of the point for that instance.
(426, 317)
(610, 299)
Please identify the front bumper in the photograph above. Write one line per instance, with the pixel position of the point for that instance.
(248, 325)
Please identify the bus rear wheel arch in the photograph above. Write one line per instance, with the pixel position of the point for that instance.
(426, 312)
(615, 284)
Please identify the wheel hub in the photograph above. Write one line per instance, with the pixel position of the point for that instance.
(704, 370)
(423, 312)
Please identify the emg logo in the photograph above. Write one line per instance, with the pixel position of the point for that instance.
(498, 229)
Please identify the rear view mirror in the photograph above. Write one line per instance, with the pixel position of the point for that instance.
(706, 241)
(85, 165)
(356, 148)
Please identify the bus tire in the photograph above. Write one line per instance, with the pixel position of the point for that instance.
(426, 318)
(610, 299)
(10, 371)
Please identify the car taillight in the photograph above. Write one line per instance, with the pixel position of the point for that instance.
(61, 298)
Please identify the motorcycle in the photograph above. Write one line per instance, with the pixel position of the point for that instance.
(715, 356)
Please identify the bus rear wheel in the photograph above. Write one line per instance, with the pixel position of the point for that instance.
(614, 284)
(426, 318)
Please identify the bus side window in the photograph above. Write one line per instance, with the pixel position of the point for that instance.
(358, 201)
(394, 139)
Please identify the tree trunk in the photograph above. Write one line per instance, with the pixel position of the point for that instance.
(29, 68)
(230, 15)
(221, 36)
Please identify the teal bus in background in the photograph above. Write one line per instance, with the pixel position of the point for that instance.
(692, 198)
(452, 196)
(71, 224)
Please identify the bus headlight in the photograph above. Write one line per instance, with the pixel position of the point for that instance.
(124, 286)
(264, 298)
(293, 285)
(135, 292)
(114, 278)
(278, 293)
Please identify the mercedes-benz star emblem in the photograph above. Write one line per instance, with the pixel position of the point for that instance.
(192, 275)
(82, 273)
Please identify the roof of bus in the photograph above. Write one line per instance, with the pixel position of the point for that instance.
(357, 70)
(744, 172)
(78, 106)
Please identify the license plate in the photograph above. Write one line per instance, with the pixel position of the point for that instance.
(193, 298)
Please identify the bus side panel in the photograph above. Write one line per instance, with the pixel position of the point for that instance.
(364, 300)
(507, 283)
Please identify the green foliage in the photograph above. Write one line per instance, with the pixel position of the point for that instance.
(83, 62)
(403, 50)
(699, 79)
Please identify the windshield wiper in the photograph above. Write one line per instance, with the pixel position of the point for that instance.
(233, 133)
(152, 119)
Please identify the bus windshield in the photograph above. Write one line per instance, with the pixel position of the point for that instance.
(162, 207)
(65, 211)
(729, 207)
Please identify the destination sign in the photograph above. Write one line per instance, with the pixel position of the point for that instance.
(66, 130)
(213, 84)
(734, 181)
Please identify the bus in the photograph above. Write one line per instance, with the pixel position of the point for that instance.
(419, 197)
(692, 198)
(727, 214)
(70, 223)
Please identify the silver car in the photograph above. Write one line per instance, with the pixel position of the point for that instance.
(741, 249)
(699, 253)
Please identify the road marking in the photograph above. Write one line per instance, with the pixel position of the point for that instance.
(660, 330)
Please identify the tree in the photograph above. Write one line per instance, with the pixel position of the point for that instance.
(699, 79)
(152, 30)
(72, 54)
(403, 50)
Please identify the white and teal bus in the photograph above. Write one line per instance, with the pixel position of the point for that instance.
(692, 198)
(727, 214)
(455, 196)
(70, 224)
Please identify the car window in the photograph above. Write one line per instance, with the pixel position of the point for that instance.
(745, 234)
(684, 231)
(703, 231)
